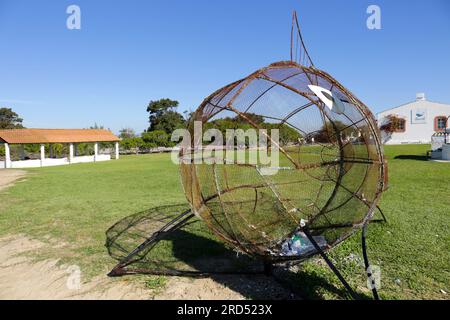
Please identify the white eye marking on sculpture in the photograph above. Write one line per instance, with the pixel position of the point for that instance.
(326, 96)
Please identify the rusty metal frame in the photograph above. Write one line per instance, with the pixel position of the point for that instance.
(265, 247)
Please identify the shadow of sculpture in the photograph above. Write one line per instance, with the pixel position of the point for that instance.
(194, 251)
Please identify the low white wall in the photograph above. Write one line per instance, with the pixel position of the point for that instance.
(82, 159)
(25, 164)
(103, 157)
(55, 162)
(48, 162)
(37, 163)
(396, 142)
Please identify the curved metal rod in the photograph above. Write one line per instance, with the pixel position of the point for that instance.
(382, 214)
(172, 225)
(330, 264)
(295, 25)
(366, 262)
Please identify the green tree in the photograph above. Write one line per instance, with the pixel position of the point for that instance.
(163, 116)
(252, 117)
(157, 138)
(132, 144)
(329, 131)
(9, 119)
(127, 133)
(96, 126)
(287, 134)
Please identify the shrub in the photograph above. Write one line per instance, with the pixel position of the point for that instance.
(157, 138)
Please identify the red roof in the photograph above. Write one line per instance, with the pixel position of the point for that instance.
(24, 136)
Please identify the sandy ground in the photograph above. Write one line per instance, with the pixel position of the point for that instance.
(8, 177)
(20, 278)
(224, 287)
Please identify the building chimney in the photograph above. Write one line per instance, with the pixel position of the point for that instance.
(420, 96)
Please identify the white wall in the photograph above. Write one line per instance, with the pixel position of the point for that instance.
(54, 162)
(417, 131)
(25, 164)
(82, 159)
(103, 157)
(37, 163)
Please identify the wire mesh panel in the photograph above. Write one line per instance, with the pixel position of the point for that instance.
(330, 168)
(174, 253)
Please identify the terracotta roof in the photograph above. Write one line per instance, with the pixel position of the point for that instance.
(23, 136)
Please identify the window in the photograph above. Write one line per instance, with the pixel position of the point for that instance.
(439, 123)
(401, 125)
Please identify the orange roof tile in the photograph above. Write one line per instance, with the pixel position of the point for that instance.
(24, 136)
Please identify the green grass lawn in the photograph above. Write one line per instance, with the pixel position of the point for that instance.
(76, 204)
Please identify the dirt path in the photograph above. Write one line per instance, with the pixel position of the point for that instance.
(22, 279)
(8, 177)
(232, 287)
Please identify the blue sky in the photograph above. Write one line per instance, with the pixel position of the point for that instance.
(130, 52)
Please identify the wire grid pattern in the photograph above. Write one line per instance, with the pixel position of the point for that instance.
(331, 178)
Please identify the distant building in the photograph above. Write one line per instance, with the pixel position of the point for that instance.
(47, 138)
(416, 121)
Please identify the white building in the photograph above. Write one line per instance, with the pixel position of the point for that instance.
(48, 138)
(417, 121)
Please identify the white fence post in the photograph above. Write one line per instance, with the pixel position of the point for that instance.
(71, 153)
(95, 151)
(42, 154)
(7, 156)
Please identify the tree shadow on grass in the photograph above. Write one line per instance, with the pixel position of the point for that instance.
(193, 248)
(412, 157)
